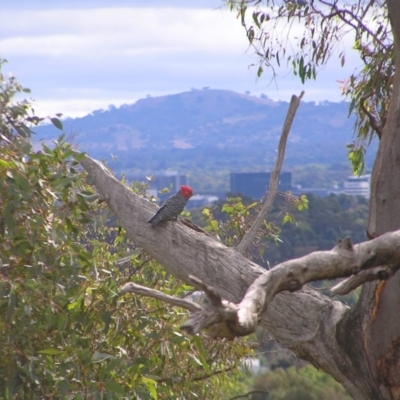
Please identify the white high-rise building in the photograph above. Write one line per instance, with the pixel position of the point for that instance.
(358, 185)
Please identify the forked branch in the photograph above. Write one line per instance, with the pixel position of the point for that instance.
(222, 318)
(344, 260)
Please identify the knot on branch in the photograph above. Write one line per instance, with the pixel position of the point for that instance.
(383, 275)
(345, 244)
(293, 285)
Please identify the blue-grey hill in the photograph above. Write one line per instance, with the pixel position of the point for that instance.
(210, 131)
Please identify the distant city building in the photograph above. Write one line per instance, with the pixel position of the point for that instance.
(298, 190)
(358, 185)
(255, 184)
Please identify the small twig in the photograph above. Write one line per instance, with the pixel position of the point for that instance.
(340, 13)
(248, 239)
(372, 119)
(131, 287)
(202, 377)
(246, 396)
(217, 372)
(139, 267)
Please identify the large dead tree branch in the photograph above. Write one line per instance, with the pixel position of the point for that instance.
(225, 319)
(251, 234)
(304, 321)
(344, 260)
(180, 248)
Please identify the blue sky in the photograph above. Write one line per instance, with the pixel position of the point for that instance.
(80, 56)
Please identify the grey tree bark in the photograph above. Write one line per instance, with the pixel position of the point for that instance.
(377, 331)
(306, 322)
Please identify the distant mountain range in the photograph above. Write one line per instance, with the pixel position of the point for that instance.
(212, 132)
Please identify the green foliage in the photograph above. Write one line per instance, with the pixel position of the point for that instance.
(236, 221)
(285, 379)
(370, 90)
(270, 31)
(306, 383)
(299, 203)
(356, 156)
(64, 332)
(242, 385)
(230, 220)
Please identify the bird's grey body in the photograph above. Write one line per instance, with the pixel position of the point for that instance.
(171, 208)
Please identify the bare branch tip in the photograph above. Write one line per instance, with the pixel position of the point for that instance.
(196, 281)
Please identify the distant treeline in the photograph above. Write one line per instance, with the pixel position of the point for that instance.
(206, 134)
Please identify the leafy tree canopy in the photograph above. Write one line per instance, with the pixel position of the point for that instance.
(272, 30)
(64, 332)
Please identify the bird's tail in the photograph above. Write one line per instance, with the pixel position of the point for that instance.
(154, 220)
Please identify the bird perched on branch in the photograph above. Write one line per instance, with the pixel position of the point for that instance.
(172, 207)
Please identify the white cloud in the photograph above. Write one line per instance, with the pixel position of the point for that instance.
(79, 59)
(77, 107)
(120, 31)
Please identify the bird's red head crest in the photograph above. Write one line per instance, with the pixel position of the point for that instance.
(186, 191)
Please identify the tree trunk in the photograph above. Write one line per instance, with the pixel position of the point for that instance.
(374, 325)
